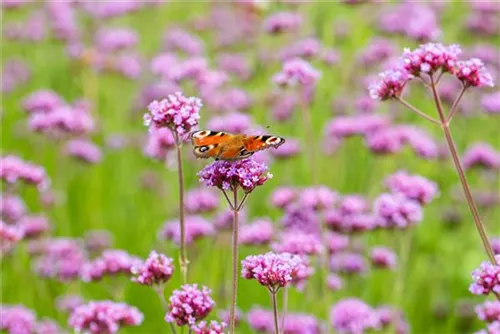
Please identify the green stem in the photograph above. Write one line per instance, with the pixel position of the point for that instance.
(183, 256)
(275, 310)
(234, 291)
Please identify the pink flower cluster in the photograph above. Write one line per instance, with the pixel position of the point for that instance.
(430, 58)
(259, 232)
(390, 84)
(272, 270)
(104, 317)
(489, 311)
(262, 321)
(297, 72)
(486, 278)
(14, 169)
(298, 242)
(83, 150)
(481, 155)
(349, 263)
(10, 235)
(473, 73)
(353, 316)
(61, 258)
(17, 319)
(176, 112)
(413, 187)
(156, 271)
(195, 227)
(282, 22)
(213, 327)
(397, 211)
(382, 257)
(229, 175)
(111, 262)
(12, 207)
(201, 200)
(189, 304)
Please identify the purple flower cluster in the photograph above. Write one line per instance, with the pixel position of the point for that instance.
(282, 22)
(430, 58)
(297, 72)
(195, 227)
(83, 150)
(229, 175)
(473, 73)
(491, 103)
(413, 187)
(213, 327)
(176, 112)
(115, 39)
(390, 85)
(486, 278)
(258, 232)
(159, 143)
(489, 311)
(346, 126)
(12, 207)
(272, 270)
(189, 304)
(201, 200)
(10, 235)
(67, 303)
(353, 316)
(111, 262)
(298, 242)
(15, 73)
(261, 320)
(281, 197)
(14, 169)
(317, 198)
(481, 155)
(179, 39)
(348, 263)
(104, 317)
(397, 211)
(155, 271)
(17, 319)
(61, 259)
(382, 257)
(34, 225)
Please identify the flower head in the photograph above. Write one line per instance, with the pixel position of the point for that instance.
(213, 327)
(491, 103)
(481, 155)
(17, 319)
(348, 263)
(382, 257)
(259, 232)
(111, 262)
(297, 72)
(353, 316)
(486, 278)
(61, 259)
(12, 207)
(201, 200)
(67, 303)
(157, 270)
(473, 73)
(227, 175)
(104, 317)
(390, 84)
(177, 112)
(196, 228)
(271, 270)
(14, 169)
(431, 57)
(84, 150)
(489, 311)
(282, 22)
(298, 242)
(189, 304)
(395, 210)
(413, 187)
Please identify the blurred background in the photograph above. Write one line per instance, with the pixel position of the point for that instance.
(114, 185)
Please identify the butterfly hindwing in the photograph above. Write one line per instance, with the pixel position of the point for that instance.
(257, 143)
(208, 143)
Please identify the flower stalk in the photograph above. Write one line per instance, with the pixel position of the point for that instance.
(183, 261)
(275, 310)
(234, 285)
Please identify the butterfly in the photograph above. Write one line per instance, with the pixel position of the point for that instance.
(226, 146)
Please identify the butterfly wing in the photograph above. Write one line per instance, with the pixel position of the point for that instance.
(257, 143)
(208, 144)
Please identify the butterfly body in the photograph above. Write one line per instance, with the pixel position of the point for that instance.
(226, 146)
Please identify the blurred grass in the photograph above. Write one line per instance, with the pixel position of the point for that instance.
(110, 196)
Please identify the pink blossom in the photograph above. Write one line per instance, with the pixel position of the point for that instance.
(382, 257)
(414, 187)
(491, 103)
(61, 258)
(213, 327)
(430, 58)
(348, 263)
(473, 73)
(258, 232)
(297, 72)
(189, 304)
(111, 262)
(481, 155)
(489, 311)
(179, 39)
(17, 319)
(196, 227)
(67, 303)
(9, 236)
(157, 270)
(115, 39)
(397, 211)
(201, 200)
(390, 84)
(34, 225)
(353, 316)
(84, 150)
(486, 278)
(281, 197)
(12, 207)
(42, 101)
(282, 22)
(297, 242)
(14, 169)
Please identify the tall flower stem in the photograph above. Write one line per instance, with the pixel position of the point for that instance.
(159, 292)
(285, 307)
(275, 310)
(183, 255)
(445, 126)
(234, 291)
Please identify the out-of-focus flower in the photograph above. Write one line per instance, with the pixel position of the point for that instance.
(376, 51)
(177, 112)
(414, 187)
(115, 39)
(111, 262)
(156, 271)
(14, 4)
(258, 232)
(83, 150)
(390, 85)
(61, 258)
(486, 278)
(234, 64)
(12, 207)
(67, 303)
(196, 227)
(34, 225)
(227, 175)
(179, 39)
(42, 101)
(330, 56)
(334, 282)
(224, 315)
(189, 304)
(10, 235)
(305, 48)
(63, 20)
(297, 72)
(489, 311)
(15, 73)
(492, 328)
(104, 317)
(14, 169)
(201, 200)
(336, 242)
(261, 320)
(48, 326)
(17, 319)
(63, 120)
(388, 316)
(353, 316)
(473, 73)
(159, 143)
(297, 242)
(281, 197)
(97, 240)
(232, 122)
(348, 263)
(271, 270)
(213, 327)
(395, 210)
(491, 103)
(284, 107)
(282, 22)
(346, 126)
(495, 245)
(318, 198)
(481, 155)
(382, 257)
(353, 204)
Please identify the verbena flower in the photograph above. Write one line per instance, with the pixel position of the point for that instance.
(67, 303)
(492, 328)
(413, 187)
(64, 120)
(201, 200)
(353, 316)
(390, 84)
(488, 311)
(346, 126)
(97, 240)
(179, 39)
(297, 72)
(281, 197)
(302, 218)
(282, 22)
(298, 242)
(389, 316)
(104, 317)
(395, 210)
(271, 270)
(486, 278)
(42, 101)
(16, 72)
(10, 235)
(336, 242)
(348, 263)
(196, 227)
(334, 282)
(84, 150)
(111, 262)
(155, 271)
(159, 143)
(473, 73)
(115, 39)
(229, 175)
(61, 258)
(481, 154)
(261, 320)
(495, 245)
(491, 103)
(12, 207)
(305, 48)
(382, 257)
(430, 58)
(258, 232)
(213, 327)
(189, 304)
(234, 122)
(14, 169)
(48, 326)
(34, 225)
(353, 204)
(289, 149)
(17, 319)
(235, 64)
(318, 197)
(177, 112)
